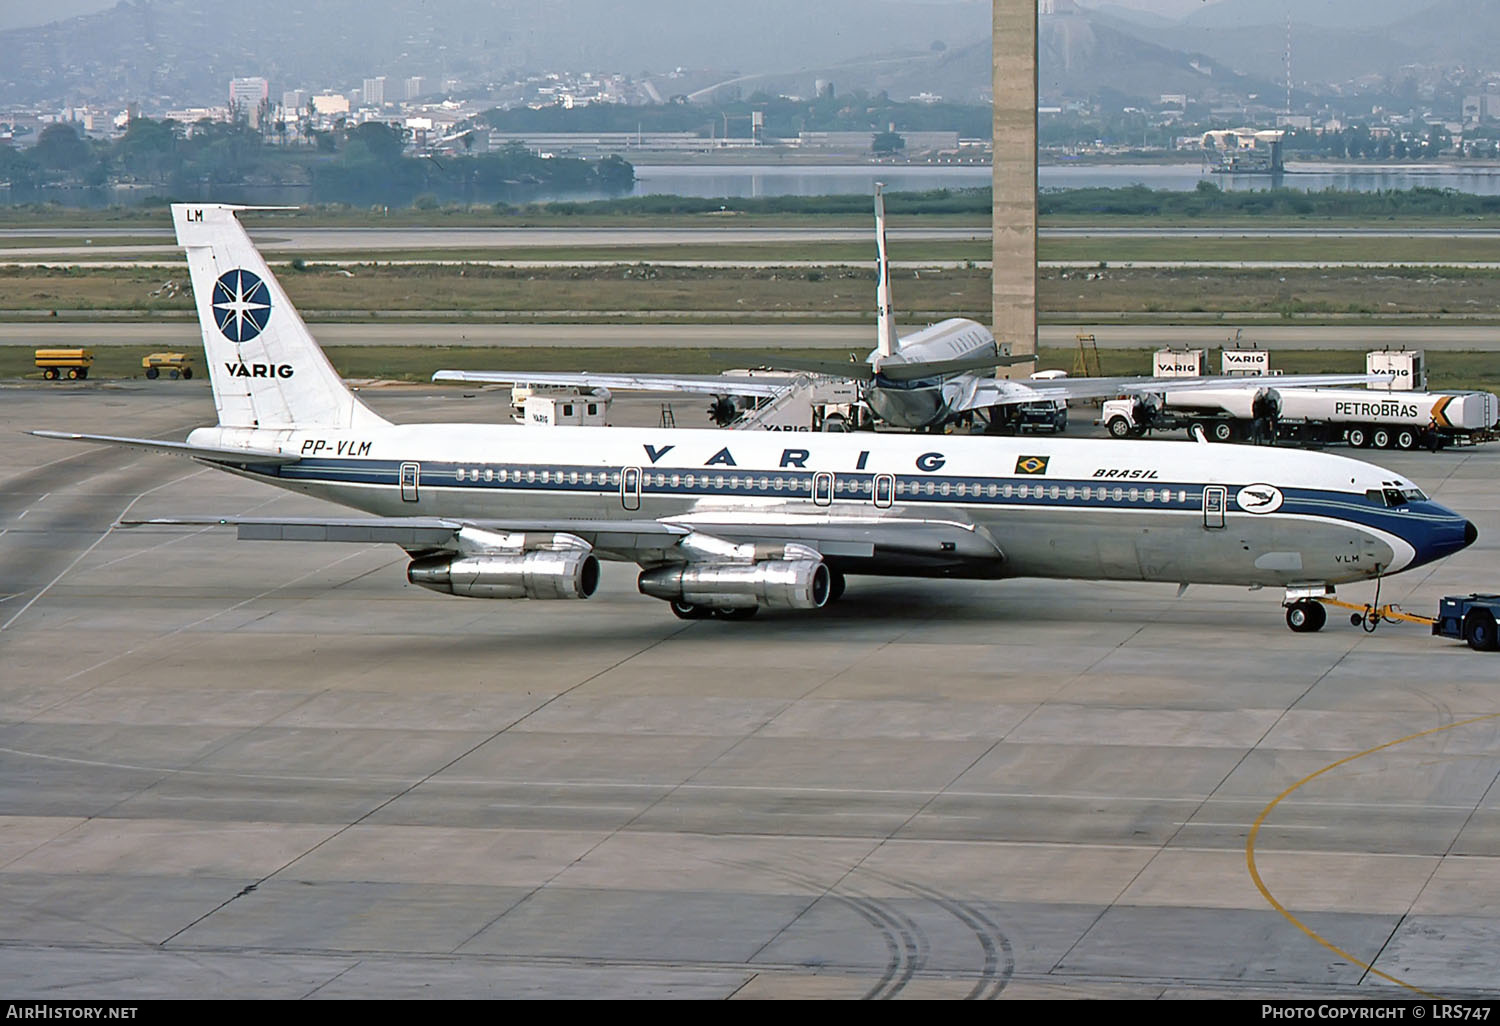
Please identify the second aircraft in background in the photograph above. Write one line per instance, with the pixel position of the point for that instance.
(928, 379)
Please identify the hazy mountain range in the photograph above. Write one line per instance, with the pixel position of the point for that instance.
(1332, 41)
(185, 51)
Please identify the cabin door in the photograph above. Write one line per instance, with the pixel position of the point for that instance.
(1213, 507)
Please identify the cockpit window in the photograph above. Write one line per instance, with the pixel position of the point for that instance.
(1395, 496)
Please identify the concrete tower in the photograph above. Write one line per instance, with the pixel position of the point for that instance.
(1015, 80)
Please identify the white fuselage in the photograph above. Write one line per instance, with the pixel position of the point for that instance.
(1169, 511)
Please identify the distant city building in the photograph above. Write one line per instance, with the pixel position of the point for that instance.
(860, 142)
(374, 91)
(294, 101)
(247, 95)
(190, 116)
(1244, 150)
(416, 86)
(1481, 107)
(331, 103)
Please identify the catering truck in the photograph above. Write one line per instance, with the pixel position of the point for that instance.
(1359, 417)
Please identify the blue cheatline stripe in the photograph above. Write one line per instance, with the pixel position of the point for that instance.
(935, 489)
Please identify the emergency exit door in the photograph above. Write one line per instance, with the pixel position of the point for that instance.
(411, 474)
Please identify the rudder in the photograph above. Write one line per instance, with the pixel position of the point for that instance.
(266, 369)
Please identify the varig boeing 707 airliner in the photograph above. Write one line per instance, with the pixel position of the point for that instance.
(724, 523)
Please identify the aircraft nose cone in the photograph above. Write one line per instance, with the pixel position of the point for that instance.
(1471, 533)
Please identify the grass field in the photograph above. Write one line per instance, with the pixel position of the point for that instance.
(1110, 250)
(644, 292)
(1447, 370)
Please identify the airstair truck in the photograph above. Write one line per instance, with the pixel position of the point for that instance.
(1359, 417)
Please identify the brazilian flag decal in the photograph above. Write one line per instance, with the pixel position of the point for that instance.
(1031, 464)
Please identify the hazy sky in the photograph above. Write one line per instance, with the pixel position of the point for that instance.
(20, 13)
(1167, 8)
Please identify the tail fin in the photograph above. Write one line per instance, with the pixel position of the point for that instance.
(885, 324)
(266, 369)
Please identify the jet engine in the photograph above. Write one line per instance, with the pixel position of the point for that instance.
(551, 567)
(773, 583)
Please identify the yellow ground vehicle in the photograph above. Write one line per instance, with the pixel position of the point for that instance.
(174, 365)
(73, 364)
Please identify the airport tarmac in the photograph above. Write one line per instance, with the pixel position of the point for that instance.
(255, 770)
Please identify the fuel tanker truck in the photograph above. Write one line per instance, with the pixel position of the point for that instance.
(1362, 418)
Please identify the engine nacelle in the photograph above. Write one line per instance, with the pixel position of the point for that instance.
(773, 583)
(567, 573)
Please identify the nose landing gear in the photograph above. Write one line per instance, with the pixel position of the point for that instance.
(1306, 616)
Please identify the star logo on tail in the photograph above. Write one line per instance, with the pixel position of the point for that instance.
(242, 305)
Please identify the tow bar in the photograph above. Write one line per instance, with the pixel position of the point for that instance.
(1470, 618)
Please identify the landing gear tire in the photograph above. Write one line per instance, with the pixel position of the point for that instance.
(1358, 438)
(1479, 631)
(737, 613)
(1306, 617)
(690, 611)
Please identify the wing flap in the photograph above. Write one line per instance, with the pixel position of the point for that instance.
(623, 536)
(700, 384)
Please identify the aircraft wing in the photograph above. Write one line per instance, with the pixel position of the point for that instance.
(699, 384)
(890, 541)
(1006, 392)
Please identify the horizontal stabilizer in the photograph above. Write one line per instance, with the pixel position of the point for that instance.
(939, 368)
(832, 368)
(243, 457)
